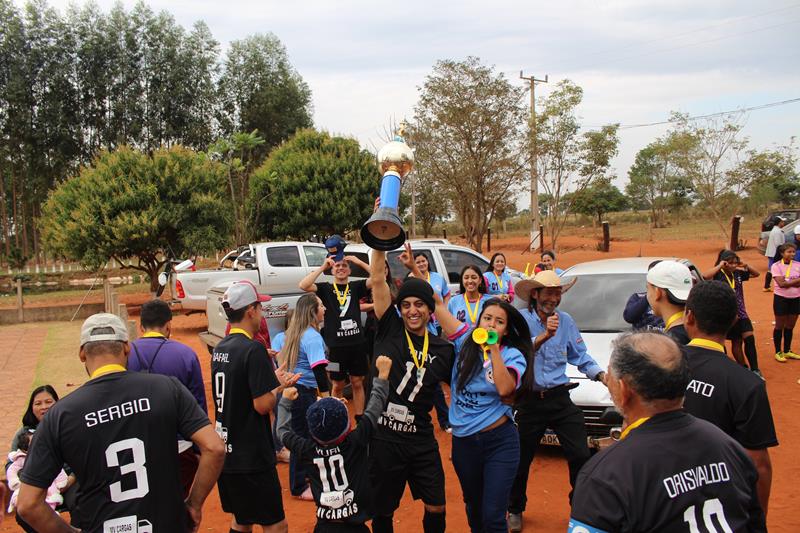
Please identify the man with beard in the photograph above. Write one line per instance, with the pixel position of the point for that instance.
(557, 342)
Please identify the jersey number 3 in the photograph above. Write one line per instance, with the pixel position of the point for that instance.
(136, 467)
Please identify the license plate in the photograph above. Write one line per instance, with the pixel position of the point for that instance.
(550, 439)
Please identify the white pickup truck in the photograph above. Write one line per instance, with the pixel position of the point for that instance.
(277, 269)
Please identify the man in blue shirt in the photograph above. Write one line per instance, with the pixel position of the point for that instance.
(557, 342)
(155, 353)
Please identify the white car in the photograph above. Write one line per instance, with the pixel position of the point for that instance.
(596, 302)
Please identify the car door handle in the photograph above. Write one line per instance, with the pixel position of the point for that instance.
(272, 274)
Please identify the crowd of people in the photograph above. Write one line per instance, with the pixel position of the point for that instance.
(134, 447)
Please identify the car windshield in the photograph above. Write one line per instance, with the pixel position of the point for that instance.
(597, 301)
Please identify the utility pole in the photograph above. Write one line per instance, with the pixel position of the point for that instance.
(413, 178)
(536, 235)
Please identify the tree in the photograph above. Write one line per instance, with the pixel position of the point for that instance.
(657, 180)
(237, 154)
(130, 205)
(568, 161)
(711, 155)
(769, 176)
(430, 208)
(313, 183)
(469, 140)
(260, 90)
(599, 198)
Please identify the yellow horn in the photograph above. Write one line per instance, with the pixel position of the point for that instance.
(480, 335)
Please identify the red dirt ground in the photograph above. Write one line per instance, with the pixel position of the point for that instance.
(548, 508)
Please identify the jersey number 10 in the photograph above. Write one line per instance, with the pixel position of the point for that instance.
(337, 474)
(711, 508)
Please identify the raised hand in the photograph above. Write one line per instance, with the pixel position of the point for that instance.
(551, 325)
(407, 257)
(384, 365)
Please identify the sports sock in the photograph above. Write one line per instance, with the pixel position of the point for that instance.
(776, 339)
(382, 524)
(768, 279)
(433, 522)
(751, 352)
(787, 339)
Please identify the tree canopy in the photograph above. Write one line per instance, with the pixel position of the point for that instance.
(130, 205)
(599, 198)
(314, 183)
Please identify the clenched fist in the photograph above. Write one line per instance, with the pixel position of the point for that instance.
(383, 364)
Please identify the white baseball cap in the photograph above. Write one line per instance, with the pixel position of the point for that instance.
(240, 295)
(103, 327)
(673, 277)
(797, 229)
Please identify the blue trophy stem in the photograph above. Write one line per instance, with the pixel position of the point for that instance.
(390, 190)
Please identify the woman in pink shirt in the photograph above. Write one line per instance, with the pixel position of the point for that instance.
(786, 302)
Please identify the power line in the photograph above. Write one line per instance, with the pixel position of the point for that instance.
(710, 115)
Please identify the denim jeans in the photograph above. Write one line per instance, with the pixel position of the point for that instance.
(297, 472)
(486, 464)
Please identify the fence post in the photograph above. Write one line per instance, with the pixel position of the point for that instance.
(606, 237)
(735, 222)
(106, 295)
(20, 310)
(541, 239)
(444, 232)
(489, 240)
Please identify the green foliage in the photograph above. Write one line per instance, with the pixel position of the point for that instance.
(313, 183)
(260, 90)
(659, 179)
(130, 205)
(599, 198)
(769, 176)
(566, 159)
(430, 208)
(469, 140)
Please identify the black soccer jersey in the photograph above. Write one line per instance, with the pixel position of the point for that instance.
(730, 397)
(407, 415)
(678, 334)
(117, 434)
(343, 321)
(241, 371)
(339, 474)
(674, 473)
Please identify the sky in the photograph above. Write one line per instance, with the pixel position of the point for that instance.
(636, 60)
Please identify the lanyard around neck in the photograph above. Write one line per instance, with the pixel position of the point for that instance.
(633, 426)
(473, 316)
(671, 320)
(731, 280)
(341, 297)
(499, 280)
(706, 343)
(418, 362)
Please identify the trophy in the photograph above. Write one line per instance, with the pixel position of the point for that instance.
(384, 229)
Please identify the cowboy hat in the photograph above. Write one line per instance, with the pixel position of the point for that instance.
(545, 278)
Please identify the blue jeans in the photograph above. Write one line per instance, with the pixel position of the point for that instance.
(297, 472)
(486, 464)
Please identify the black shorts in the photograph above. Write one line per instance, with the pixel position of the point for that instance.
(352, 360)
(739, 328)
(252, 498)
(339, 527)
(785, 306)
(392, 465)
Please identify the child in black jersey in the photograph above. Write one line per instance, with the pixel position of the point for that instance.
(336, 457)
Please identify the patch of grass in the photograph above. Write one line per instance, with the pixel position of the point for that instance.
(55, 297)
(59, 364)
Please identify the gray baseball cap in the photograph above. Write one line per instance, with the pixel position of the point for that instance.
(103, 327)
(241, 294)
